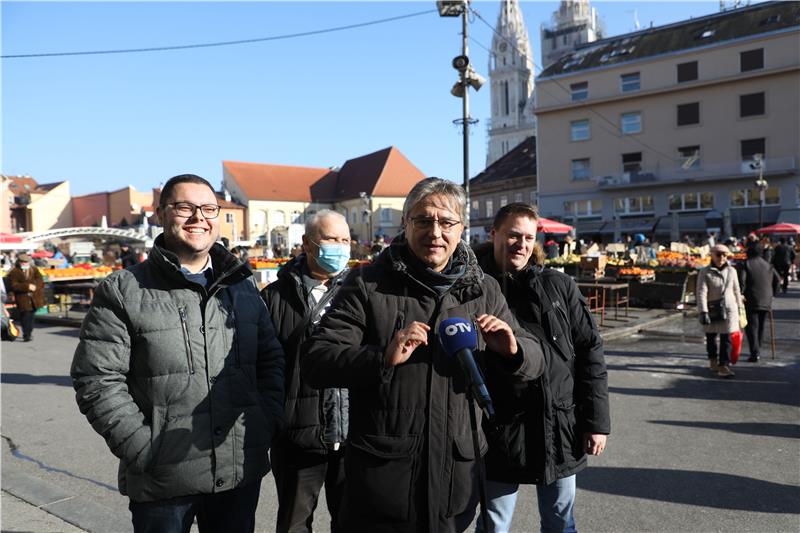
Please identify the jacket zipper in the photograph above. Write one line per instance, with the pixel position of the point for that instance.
(189, 358)
(237, 358)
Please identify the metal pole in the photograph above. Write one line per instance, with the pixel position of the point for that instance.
(761, 191)
(465, 116)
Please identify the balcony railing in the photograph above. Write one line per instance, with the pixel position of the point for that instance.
(730, 169)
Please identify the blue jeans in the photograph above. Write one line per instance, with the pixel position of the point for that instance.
(555, 506)
(229, 511)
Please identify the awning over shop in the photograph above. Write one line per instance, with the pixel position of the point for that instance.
(687, 223)
(749, 215)
(590, 227)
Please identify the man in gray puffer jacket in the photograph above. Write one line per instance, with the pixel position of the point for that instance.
(179, 369)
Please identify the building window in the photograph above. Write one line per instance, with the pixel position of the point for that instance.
(353, 216)
(750, 197)
(690, 157)
(751, 59)
(689, 114)
(386, 215)
(535, 197)
(581, 169)
(580, 91)
(687, 71)
(505, 98)
(751, 105)
(632, 163)
(583, 208)
(691, 201)
(518, 197)
(751, 147)
(630, 82)
(579, 130)
(475, 205)
(297, 217)
(634, 205)
(504, 200)
(631, 123)
(489, 208)
(229, 218)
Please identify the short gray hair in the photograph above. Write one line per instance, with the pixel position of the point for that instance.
(429, 186)
(312, 222)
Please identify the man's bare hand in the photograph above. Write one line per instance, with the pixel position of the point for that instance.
(594, 443)
(404, 342)
(497, 334)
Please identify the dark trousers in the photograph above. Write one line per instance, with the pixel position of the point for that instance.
(230, 511)
(26, 322)
(723, 354)
(755, 329)
(299, 477)
(783, 272)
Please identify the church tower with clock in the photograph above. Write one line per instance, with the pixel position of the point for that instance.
(511, 75)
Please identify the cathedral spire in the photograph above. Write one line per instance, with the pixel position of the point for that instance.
(511, 73)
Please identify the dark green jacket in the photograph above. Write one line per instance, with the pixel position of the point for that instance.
(184, 383)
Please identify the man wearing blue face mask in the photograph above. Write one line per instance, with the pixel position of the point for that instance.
(309, 453)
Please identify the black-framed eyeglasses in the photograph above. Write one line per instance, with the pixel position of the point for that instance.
(188, 209)
(426, 223)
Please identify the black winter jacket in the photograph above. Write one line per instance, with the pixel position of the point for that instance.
(313, 416)
(758, 282)
(537, 437)
(409, 458)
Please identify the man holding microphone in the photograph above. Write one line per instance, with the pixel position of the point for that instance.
(410, 459)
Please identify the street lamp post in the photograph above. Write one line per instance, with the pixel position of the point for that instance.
(467, 78)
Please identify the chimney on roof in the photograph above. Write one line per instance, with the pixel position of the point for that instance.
(227, 194)
(335, 168)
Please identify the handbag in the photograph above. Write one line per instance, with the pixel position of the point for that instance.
(717, 311)
(742, 318)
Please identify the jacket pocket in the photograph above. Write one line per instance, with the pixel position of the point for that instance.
(507, 440)
(380, 472)
(147, 457)
(569, 445)
(186, 342)
(463, 481)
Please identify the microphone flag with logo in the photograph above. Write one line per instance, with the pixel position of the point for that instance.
(459, 337)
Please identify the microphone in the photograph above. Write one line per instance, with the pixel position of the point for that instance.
(459, 337)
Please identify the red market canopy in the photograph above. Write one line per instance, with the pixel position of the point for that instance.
(10, 237)
(781, 227)
(545, 225)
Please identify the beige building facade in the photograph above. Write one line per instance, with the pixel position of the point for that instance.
(667, 131)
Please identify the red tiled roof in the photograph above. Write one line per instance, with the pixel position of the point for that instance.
(275, 182)
(17, 184)
(386, 172)
(225, 204)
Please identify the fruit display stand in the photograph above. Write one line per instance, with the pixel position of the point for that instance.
(65, 287)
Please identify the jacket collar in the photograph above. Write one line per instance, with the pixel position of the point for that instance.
(392, 257)
(228, 270)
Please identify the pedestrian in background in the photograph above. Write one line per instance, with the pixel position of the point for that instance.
(544, 428)
(309, 454)
(26, 283)
(759, 282)
(410, 461)
(179, 369)
(718, 302)
(782, 258)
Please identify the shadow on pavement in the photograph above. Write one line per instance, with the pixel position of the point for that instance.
(705, 489)
(60, 330)
(30, 379)
(762, 429)
(752, 384)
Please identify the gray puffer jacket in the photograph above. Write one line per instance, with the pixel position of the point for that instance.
(184, 382)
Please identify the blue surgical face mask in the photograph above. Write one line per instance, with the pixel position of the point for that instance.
(333, 257)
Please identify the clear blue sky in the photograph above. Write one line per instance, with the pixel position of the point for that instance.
(107, 121)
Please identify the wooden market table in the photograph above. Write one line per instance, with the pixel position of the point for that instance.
(600, 293)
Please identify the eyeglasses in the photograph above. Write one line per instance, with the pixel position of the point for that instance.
(186, 209)
(426, 223)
